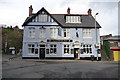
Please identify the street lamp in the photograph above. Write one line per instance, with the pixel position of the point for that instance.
(96, 34)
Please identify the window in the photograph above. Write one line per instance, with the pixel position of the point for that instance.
(42, 18)
(87, 49)
(72, 51)
(66, 49)
(53, 32)
(36, 51)
(42, 32)
(31, 49)
(31, 32)
(73, 19)
(66, 33)
(47, 51)
(53, 49)
(87, 33)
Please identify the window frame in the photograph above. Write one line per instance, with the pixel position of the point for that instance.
(66, 33)
(31, 47)
(73, 19)
(53, 33)
(53, 47)
(66, 47)
(42, 33)
(87, 33)
(87, 49)
(31, 32)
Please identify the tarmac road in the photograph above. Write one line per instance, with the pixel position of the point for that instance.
(15, 67)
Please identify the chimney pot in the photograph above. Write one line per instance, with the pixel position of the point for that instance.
(89, 12)
(30, 10)
(68, 10)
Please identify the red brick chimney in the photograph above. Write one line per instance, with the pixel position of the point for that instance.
(30, 10)
(68, 10)
(89, 12)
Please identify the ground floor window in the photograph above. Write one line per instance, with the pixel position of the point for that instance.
(66, 49)
(87, 49)
(31, 49)
(53, 49)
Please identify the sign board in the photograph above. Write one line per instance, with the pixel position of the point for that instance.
(59, 40)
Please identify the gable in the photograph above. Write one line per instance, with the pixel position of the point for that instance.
(42, 17)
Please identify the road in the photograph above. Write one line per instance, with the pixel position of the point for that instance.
(16, 67)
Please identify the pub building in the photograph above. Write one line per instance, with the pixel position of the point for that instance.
(60, 35)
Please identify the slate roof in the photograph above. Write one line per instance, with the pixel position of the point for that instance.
(86, 21)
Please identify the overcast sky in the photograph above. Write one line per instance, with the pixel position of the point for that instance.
(14, 12)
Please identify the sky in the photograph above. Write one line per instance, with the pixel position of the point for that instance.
(14, 12)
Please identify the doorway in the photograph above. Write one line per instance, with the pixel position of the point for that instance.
(42, 52)
(76, 52)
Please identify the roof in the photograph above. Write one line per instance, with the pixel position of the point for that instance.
(86, 21)
(114, 38)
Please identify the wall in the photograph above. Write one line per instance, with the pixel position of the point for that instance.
(60, 47)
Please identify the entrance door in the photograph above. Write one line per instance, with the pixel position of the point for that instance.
(42, 51)
(76, 52)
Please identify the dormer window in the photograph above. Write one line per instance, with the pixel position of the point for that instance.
(73, 19)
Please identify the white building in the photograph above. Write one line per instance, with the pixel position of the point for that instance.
(60, 35)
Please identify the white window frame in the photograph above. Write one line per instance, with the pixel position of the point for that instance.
(54, 48)
(31, 32)
(87, 33)
(43, 18)
(67, 33)
(53, 33)
(30, 48)
(66, 47)
(87, 49)
(42, 33)
(73, 19)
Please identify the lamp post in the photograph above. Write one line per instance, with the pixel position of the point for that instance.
(96, 34)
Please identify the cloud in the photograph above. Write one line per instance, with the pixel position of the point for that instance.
(108, 16)
(14, 12)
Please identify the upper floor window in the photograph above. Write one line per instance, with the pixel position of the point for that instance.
(42, 32)
(73, 19)
(42, 18)
(66, 33)
(31, 32)
(53, 32)
(87, 33)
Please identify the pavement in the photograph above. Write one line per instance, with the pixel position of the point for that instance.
(16, 67)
